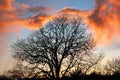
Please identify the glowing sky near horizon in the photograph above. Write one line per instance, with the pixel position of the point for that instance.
(19, 17)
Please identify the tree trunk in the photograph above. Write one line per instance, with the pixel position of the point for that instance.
(57, 73)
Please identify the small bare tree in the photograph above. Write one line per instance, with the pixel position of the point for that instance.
(88, 63)
(92, 62)
(20, 70)
(56, 47)
(113, 66)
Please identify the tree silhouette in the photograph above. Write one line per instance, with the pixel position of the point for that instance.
(89, 63)
(55, 49)
(113, 66)
(20, 71)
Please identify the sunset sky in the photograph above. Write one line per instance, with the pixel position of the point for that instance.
(19, 17)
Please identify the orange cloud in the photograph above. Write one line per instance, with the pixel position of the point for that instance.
(6, 5)
(36, 21)
(71, 11)
(104, 19)
(10, 22)
(6, 28)
(8, 17)
(25, 6)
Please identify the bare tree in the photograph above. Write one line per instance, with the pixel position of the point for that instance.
(92, 62)
(16, 72)
(56, 47)
(113, 66)
(20, 70)
(88, 63)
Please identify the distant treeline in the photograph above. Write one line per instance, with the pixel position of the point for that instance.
(92, 76)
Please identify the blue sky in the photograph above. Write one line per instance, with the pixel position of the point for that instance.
(58, 4)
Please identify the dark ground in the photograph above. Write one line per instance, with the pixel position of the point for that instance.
(93, 76)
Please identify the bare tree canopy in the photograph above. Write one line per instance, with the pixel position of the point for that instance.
(56, 48)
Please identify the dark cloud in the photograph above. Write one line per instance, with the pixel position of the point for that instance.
(40, 9)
